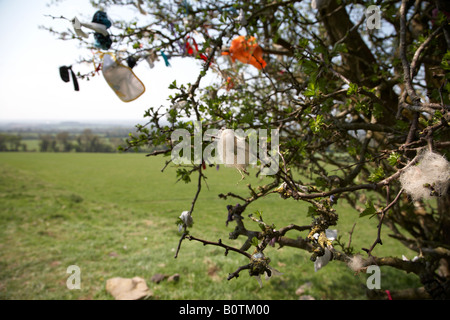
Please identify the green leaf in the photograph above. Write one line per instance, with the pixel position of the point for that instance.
(258, 214)
(445, 61)
(173, 85)
(362, 107)
(254, 241)
(184, 175)
(308, 67)
(369, 211)
(311, 212)
(339, 48)
(312, 90)
(377, 175)
(394, 158)
(303, 42)
(352, 89)
(320, 182)
(437, 117)
(316, 124)
(377, 110)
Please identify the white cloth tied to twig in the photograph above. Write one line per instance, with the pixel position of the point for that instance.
(233, 150)
(97, 27)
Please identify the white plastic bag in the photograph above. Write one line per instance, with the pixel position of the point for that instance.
(121, 79)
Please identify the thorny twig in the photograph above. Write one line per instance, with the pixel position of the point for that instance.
(406, 67)
(219, 244)
(199, 188)
(382, 215)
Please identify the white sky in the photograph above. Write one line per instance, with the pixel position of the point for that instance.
(30, 85)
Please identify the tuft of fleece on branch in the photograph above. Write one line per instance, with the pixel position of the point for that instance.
(356, 263)
(431, 177)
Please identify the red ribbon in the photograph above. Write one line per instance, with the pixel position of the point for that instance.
(389, 295)
(190, 49)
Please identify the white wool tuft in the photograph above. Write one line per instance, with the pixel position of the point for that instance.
(186, 218)
(433, 170)
(356, 262)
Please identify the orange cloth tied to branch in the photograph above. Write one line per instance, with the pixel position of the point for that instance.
(246, 51)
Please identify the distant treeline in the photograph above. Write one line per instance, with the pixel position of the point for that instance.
(86, 141)
(63, 141)
(11, 142)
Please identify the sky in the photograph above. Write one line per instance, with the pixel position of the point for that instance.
(31, 88)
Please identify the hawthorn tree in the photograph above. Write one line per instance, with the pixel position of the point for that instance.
(358, 92)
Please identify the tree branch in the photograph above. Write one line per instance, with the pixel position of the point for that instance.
(219, 244)
(406, 67)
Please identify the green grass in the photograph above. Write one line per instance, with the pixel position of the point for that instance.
(113, 215)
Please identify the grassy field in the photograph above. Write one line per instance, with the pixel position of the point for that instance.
(114, 215)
